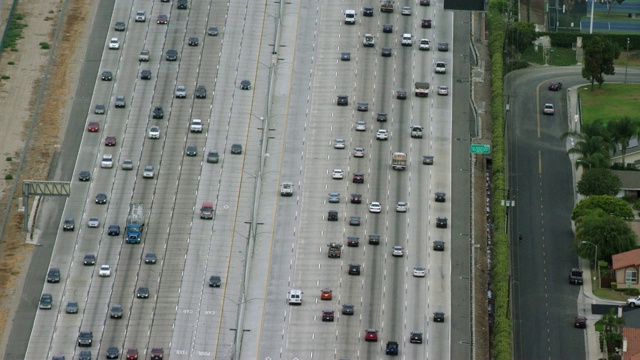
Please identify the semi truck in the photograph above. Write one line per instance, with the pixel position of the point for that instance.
(386, 6)
(399, 161)
(422, 89)
(135, 224)
(286, 189)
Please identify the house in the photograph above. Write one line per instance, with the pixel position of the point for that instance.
(630, 183)
(626, 266)
(631, 343)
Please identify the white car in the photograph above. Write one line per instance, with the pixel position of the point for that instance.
(375, 207)
(105, 271)
(361, 125)
(339, 144)
(337, 174)
(154, 132)
(406, 10)
(548, 109)
(443, 90)
(93, 222)
(382, 135)
(397, 251)
(114, 44)
(441, 67)
(141, 16)
(107, 161)
(401, 206)
(424, 44)
(419, 271)
(181, 92)
(358, 152)
(148, 172)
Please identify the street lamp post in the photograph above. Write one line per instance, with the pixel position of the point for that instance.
(626, 66)
(596, 261)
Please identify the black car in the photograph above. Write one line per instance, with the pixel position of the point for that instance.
(145, 74)
(358, 178)
(427, 160)
(386, 52)
(69, 224)
(89, 260)
(580, 322)
(327, 315)
(236, 149)
(345, 56)
(245, 85)
(215, 281)
(150, 258)
(84, 175)
(157, 353)
(374, 239)
(85, 338)
(53, 276)
(392, 348)
(182, 4)
(387, 28)
(101, 198)
(84, 355)
(426, 23)
(107, 75)
(382, 117)
(193, 41)
(343, 100)
(438, 316)
(441, 222)
(354, 269)
(201, 92)
(113, 230)
(415, 337)
(142, 293)
(367, 11)
(120, 26)
(438, 245)
(113, 352)
(348, 309)
(172, 55)
(332, 215)
(555, 86)
(191, 150)
(356, 198)
(116, 311)
(440, 197)
(353, 241)
(354, 221)
(158, 112)
(443, 46)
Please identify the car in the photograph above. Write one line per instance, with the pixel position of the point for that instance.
(371, 335)
(343, 100)
(110, 140)
(158, 112)
(633, 302)
(440, 196)
(580, 322)
(84, 175)
(157, 353)
(339, 144)
(397, 251)
(245, 85)
(348, 309)
(145, 74)
(334, 197)
(105, 271)
(337, 174)
(201, 92)
(443, 90)
(182, 5)
(154, 132)
(171, 55)
(427, 160)
(99, 109)
(426, 23)
(425, 2)
(401, 206)
(367, 11)
(236, 149)
(353, 241)
(345, 56)
(114, 44)
(215, 281)
(548, 109)
(374, 239)
(387, 28)
(101, 198)
(443, 46)
(191, 150)
(142, 292)
(93, 222)
(375, 207)
(106, 75)
(358, 178)
(193, 41)
(425, 45)
(116, 311)
(381, 117)
(327, 315)
(84, 355)
(555, 86)
(72, 307)
(85, 338)
(358, 152)
(141, 16)
(356, 198)
(354, 269)
(406, 10)
(120, 102)
(326, 294)
(382, 134)
(89, 260)
(401, 95)
(354, 220)
(144, 55)
(148, 172)
(361, 125)
(132, 354)
(162, 19)
(150, 258)
(363, 106)
(93, 126)
(441, 67)
(438, 245)
(212, 31)
(127, 164)
(181, 92)
(53, 276)
(419, 271)
(415, 337)
(391, 348)
(119, 26)
(107, 161)
(438, 316)
(112, 352)
(46, 301)
(69, 224)
(441, 222)
(213, 156)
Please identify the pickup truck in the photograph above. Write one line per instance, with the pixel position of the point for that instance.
(286, 189)
(633, 302)
(144, 55)
(196, 126)
(368, 40)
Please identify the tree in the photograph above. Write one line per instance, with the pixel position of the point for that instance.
(608, 204)
(612, 235)
(599, 181)
(522, 34)
(593, 151)
(611, 330)
(599, 54)
(622, 130)
(610, 4)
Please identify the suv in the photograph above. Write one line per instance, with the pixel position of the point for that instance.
(141, 16)
(441, 67)
(206, 211)
(182, 4)
(85, 338)
(69, 224)
(158, 112)
(53, 276)
(343, 100)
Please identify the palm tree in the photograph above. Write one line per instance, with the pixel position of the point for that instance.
(593, 151)
(622, 130)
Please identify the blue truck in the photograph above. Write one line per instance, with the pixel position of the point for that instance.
(135, 224)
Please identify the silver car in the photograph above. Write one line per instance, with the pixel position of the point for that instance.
(339, 144)
(121, 102)
(401, 206)
(181, 92)
(127, 164)
(93, 222)
(154, 132)
(361, 126)
(148, 172)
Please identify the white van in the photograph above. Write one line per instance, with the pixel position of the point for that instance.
(350, 17)
(295, 297)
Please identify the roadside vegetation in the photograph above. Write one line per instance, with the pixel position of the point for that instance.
(14, 32)
(610, 102)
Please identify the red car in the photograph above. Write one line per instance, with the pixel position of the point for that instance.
(580, 322)
(371, 335)
(425, 2)
(555, 86)
(162, 19)
(426, 23)
(93, 126)
(401, 94)
(157, 354)
(110, 141)
(353, 241)
(326, 294)
(358, 178)
(132, 354)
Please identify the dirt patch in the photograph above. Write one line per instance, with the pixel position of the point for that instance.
(532, 11)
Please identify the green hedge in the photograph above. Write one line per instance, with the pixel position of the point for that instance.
(566, 40)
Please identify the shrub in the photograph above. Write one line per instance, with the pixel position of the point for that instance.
(44, 45)
(8, 177)
(9, 158)
(5, 77)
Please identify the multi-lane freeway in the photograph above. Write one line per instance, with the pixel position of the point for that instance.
(260, 244)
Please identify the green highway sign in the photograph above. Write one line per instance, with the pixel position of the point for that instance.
(480, 149)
